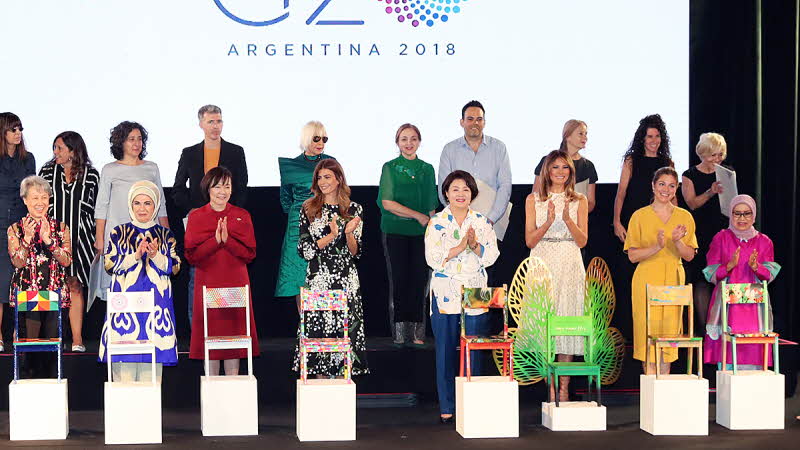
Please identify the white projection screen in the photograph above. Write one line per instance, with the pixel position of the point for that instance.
(273, 65)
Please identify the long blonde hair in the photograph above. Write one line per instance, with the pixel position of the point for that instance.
(547, 183)
(313, 206)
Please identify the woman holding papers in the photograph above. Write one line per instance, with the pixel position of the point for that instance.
(573, 140)
(556, 229)
(700, 189)
(738, 254)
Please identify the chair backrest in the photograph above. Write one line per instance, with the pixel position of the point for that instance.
(28, 301)
(230, 297)
(323, 300)
(130, 302)
(569, 326)
(746, 293)
(484, 298)
(678, 296)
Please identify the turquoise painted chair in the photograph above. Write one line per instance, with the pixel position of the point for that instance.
(747, 293)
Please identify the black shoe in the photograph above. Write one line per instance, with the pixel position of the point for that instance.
(446, 420)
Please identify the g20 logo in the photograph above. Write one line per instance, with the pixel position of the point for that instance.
(312, 19)
(412, 12)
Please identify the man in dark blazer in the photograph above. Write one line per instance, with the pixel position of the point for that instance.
(198, 159)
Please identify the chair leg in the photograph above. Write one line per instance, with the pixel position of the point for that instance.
(469, 363)
(647, 356)
(461, 359)
(724, 342)
(689, 362)
(599, 394)
(699, 362)
(511, 362)
(657, 352)
(733, 353)
(555, 381)
(766, 357)
(775, 362)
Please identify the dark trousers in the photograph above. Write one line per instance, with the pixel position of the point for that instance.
(408, 276)
(447, 331)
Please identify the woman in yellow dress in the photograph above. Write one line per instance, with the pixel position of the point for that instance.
(660, 236)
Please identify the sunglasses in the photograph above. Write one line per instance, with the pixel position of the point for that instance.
(742, 215)
(324, 139)
(15, 129)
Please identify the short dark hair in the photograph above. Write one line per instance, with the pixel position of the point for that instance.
(212, 178)
(472, 104)
(120, 133)
(460, 175)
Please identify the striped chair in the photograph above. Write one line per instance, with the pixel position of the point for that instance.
(231, 297)
(324, 300)
(30, 301)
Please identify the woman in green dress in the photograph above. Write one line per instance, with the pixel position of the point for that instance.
(407, 198)
(296, 175)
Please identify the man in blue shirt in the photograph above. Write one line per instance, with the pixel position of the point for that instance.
(486, 159)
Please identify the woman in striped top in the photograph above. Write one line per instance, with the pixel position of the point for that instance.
(74, 182)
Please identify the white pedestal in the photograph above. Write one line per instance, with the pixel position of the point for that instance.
(574, 416)
(229, 406)
(487, 407)
(673, 405)
(132, 413)
(750, 400)
(326, 410)
(37, 409)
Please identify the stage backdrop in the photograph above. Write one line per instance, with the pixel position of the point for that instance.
(363, 67)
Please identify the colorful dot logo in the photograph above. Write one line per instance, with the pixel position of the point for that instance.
(423, 12)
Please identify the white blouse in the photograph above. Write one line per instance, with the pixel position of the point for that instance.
(465, 269)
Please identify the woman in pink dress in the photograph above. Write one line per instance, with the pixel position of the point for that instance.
(738, 254)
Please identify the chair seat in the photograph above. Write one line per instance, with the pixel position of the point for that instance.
(574, 368)
(488, 339)
(115, 344)
(31, 341)
(676, 338)
(755, 335)
(322, 345)
(237, 339)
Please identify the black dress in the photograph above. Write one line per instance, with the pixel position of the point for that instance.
(640, 192)
(708, 219)
(12, 171)
(333, 267)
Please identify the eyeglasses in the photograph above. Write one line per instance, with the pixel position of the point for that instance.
(742, 215)
(15, 129)
(324, 139)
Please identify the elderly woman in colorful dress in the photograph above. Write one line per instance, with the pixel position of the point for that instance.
(141, 256)
(459, 244)
(738, 254)
(40, 248)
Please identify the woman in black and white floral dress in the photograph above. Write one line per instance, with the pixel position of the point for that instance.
(330, 240)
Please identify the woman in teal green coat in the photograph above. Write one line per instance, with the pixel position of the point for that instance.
(296, 174)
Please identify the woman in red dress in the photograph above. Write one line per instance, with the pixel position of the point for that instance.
(220, 243)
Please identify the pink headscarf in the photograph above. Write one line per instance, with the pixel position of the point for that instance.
(750, 233)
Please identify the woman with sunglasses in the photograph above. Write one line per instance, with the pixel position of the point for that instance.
(296, 177)
(16, 163)
(737, 254)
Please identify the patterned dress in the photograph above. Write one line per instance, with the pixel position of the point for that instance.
(128, 274)
(73, 204)
(41, 271)
(562, 255)
(333, 267)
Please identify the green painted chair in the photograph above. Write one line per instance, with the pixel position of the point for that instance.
(571, 326)
(747, 293)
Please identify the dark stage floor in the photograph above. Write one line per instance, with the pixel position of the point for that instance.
(415, 428)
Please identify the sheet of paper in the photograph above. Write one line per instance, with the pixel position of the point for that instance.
(483, 204)
(727, 179)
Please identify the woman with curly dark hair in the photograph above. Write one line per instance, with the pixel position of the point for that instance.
(129, 147)
(16, 163)
(74, 181)
(648, 152)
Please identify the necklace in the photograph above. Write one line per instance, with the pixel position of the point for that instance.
(311, 158)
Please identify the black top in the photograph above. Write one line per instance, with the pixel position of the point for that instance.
(640, 192)
(708, 218)
(12, 171)
(584, 169)
(190, 167)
